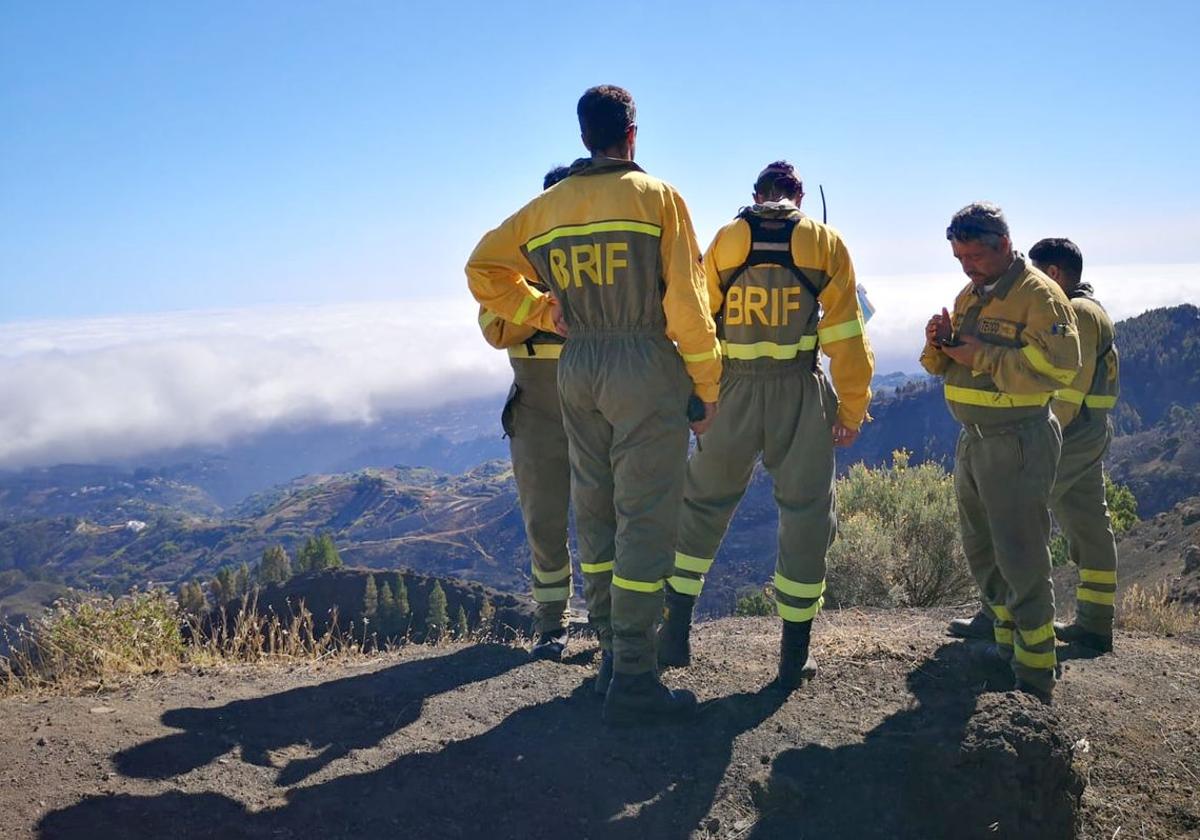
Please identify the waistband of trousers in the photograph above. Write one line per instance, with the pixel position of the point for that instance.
(603, 333)
(803, 363)
(992, 429)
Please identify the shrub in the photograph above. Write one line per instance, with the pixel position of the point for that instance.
(899, 541)
(758, 602)
(1153, 611)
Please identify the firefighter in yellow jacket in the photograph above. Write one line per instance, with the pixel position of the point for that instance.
(1078, 501)
(781, 285)
(1011, 342)
(617, 249)
(532, 421)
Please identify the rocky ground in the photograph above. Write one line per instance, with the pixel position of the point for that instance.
(905, 733)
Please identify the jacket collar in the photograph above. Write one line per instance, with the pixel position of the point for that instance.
(1007, 279)
(599, 166)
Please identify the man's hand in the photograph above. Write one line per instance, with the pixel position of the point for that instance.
(964, 351)
(939, 329)
(699, 427)
(556, 315)
(843, 435)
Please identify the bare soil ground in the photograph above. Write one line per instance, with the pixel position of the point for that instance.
(904, 733)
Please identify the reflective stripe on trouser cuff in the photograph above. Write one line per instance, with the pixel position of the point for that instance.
(546, 596)
(789, 613)
(995, 399)
(768, 349)
(799, 590)
(596, 568)
(688, 563)
(686, 585)
(636, 585)
(553, 576)
(1038, 634)
(1001, 612)
(1041, 661)
(1004, 636)
(839, 332)
(1097, 576)
(1106, 599)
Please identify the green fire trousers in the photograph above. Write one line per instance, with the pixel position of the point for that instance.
(1080, 507)
(538, 445)
(624, 398)
(785, 413)
(1003, 476)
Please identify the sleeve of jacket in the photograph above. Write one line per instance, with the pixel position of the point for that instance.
(685, 302)
(843, 338)
(934, 360)
(496, 274)
(1049, 358)
(712, 276)
(1068, 401)
(500, 333)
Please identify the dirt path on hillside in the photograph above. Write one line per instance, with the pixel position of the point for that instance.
(905, 733)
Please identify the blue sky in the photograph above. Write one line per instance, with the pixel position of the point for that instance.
(179, 156)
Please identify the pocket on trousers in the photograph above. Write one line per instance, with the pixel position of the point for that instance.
(510, 406)
(829, 399)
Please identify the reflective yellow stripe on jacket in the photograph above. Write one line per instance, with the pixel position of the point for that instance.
(768, 349)
(995, 399)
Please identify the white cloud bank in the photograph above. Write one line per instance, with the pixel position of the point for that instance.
(88, 390)
(110, 388)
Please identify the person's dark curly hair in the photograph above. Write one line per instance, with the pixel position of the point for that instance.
(554, 176)
(779, 181)
(605, 113)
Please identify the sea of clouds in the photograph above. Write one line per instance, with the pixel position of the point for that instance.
(90, 390)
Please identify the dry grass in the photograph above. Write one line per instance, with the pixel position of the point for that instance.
(1153, 611)
(96, 642)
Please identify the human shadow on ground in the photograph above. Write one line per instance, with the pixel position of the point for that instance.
(966, 761)
(546, 771)
(333, 717)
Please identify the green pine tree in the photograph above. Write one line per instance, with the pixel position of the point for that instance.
(304, 557)
(371, 599)
(487, 617)
(274, 566)
(436, 619)
(403, 611)
(461, 630)
(386, 622)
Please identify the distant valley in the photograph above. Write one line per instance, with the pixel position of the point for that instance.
(182, 515)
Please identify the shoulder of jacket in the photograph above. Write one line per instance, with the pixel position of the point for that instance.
(1033, 283)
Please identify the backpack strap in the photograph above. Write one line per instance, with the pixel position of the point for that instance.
(770, 244)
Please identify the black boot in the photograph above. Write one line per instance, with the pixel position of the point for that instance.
(604, 675)
(1074, 634)
(674, 647)
(979, 626)
(550, 645)
(638, 699)
(795, 663)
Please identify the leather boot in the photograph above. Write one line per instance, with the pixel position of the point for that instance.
(639, 699)
(1074, 634)
(674, 646)
(795, 663)
(979, 626)
(604, 675)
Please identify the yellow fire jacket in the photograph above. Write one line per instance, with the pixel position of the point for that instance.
(767, 314)
(1030, 348)
(1097, 385)
(618, 249)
